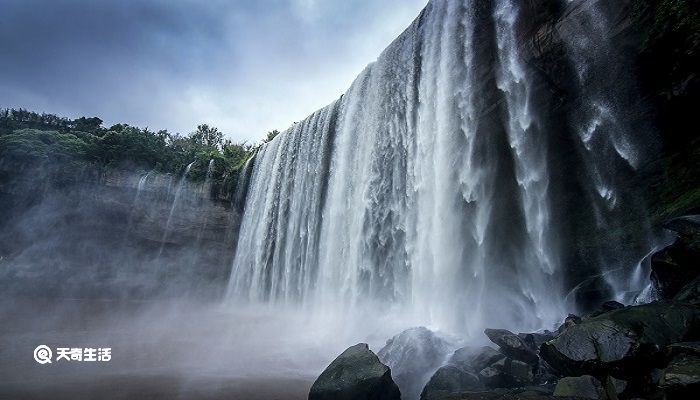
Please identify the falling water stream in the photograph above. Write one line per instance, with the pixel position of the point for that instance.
(425, 191)
(176, 199)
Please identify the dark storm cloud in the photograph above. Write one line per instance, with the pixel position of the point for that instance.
(245, 66)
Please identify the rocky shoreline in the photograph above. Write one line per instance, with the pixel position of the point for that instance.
(642, 351)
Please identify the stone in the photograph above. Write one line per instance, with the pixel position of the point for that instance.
(520, 372)
(675, 349)
(581, 387)
(611, 305)
(687, 226)
(512, 345)
(356, 374)
(569, 321)
(674, 266)
(614, 387)
(413, 356)
(474, 359)
(681, 378)
(494, 375)
(623, 343)
(448, 380)
(535, 339)
(690, 293)
(507, 373)
(545, 374)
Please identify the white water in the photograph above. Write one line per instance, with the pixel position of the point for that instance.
(176, 200)
(383, 202)
(424, 195)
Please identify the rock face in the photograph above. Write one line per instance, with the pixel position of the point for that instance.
(681, 378)
(621, 342)
(512, 345)
(675, 266)
(475, 359)
(580, 387)
(507, 373)
(413, 356)
(116, 234)
(690, 292)
(449, 379)
(357, 374)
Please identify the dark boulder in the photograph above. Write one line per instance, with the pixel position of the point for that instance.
(622, 343)
(692, 348)
(569, 321)
(681, 378)
(605, 307)
(611, 305)
(448, 380)
(507, 373)
(525, 393)
(545, 374)
(614, 387)
(494, 376)
(534, 340)
(357, 374)
(413, 356)
(512, 345)
(674, 266)
(474, 359)
(685, 227)
(690, 293)
(580, 387)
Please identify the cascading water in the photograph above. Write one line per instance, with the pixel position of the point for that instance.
(610, 145)
(424, 193)
(176, 199)
(139, 189)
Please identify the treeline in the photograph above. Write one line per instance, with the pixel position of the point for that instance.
(31, 138)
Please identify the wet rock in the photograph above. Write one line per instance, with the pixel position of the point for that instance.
(528, 393)
(545, 374)
(681, 378)
(534, 340)
(507, 373)
(605, 307)
(692, 348)
(580, 387)
(673, 267)
(494, 375)
(686, 227)
(611, 305)
(569, 321)
(614, 387)
(520, 372)
(357, 374)
(448, 380)
(512, 345)
(413, 356)
(622, 343)
(474, 359)
(690, 293)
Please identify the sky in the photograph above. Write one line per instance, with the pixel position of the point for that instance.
(244, 66)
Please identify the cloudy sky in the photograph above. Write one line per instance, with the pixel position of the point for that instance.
(245, 66)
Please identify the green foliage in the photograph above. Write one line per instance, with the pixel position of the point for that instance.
(27, 138)
(271, 135)
(33, 145)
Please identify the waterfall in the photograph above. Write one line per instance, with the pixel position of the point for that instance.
(427, 191)
(610, 145)
(130, 221)
(176, 199)
(530, 152)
